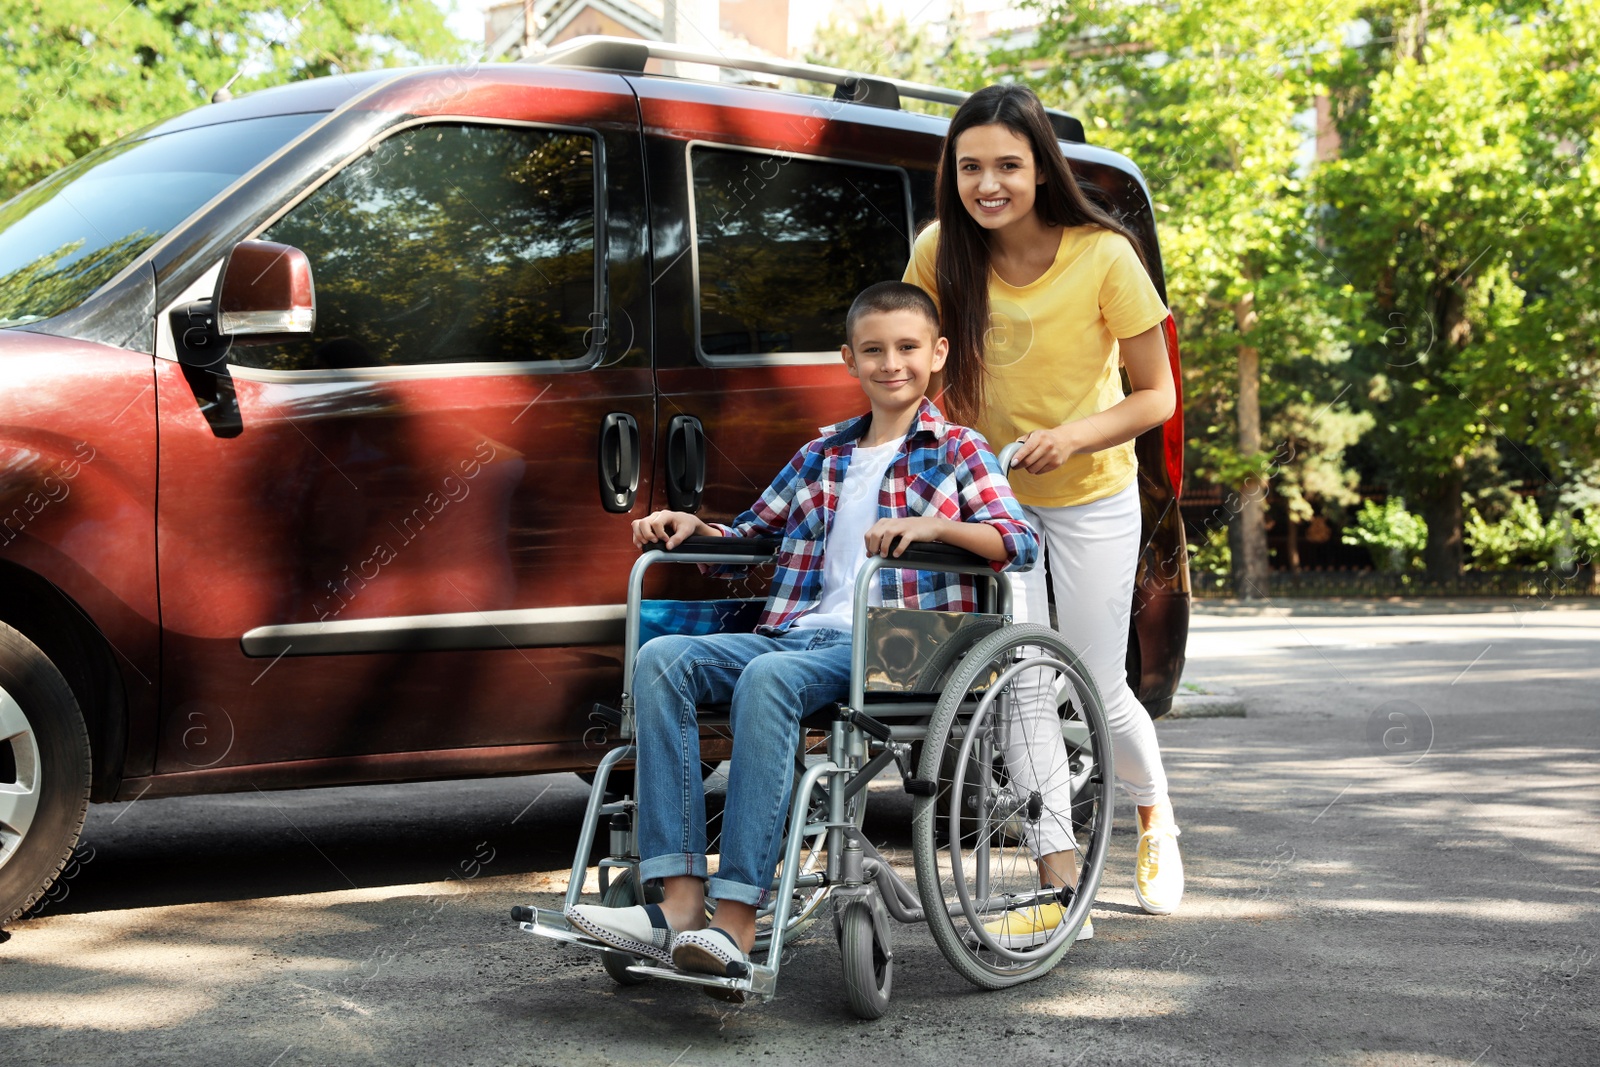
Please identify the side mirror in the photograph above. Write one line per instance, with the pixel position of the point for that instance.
(265, 289)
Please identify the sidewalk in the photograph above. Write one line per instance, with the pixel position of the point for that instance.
(1394, 605)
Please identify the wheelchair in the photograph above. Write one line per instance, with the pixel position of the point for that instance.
(933, 695)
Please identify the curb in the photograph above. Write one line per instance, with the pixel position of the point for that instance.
(1370, 606)
(1206, 707)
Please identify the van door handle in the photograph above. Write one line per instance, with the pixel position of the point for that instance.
(619, 461)
(686, 463)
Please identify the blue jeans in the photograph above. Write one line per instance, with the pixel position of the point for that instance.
(772, 683)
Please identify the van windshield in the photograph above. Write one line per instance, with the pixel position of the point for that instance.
(63, 238)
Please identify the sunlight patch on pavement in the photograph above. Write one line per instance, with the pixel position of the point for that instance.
(136, 1008)
(1495, 911)
(1149, 993)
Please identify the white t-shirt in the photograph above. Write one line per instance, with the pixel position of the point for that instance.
(846, 547)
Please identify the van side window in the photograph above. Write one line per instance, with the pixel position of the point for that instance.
(783, 244)
(448, 244)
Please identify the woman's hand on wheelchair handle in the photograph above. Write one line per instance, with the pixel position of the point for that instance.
(1043, 451)
(669, 528)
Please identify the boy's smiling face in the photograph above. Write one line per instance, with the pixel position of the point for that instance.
(894, 354)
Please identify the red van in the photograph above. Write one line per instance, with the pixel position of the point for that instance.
(324, 411)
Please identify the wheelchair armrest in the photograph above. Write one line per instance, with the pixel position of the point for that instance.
(755, 549)
(936, 552)
(760, 549)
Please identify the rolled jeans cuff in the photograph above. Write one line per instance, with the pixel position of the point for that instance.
(738, 892)
(1144, 798)
(676, 865)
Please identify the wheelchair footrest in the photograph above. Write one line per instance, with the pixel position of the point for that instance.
(553, 924)
(761, 984)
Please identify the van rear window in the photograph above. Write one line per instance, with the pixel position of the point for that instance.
(783, 244)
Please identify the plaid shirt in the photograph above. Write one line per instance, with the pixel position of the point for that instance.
(941, 470)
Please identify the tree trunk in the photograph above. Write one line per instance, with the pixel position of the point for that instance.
(1441, 497)
(1440, 507)
(1250, 579)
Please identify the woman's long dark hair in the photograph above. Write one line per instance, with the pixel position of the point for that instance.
(963, 257)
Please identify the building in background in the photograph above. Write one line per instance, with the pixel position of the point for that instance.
(783, 29)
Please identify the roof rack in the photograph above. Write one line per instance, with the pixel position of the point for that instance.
(630, 55)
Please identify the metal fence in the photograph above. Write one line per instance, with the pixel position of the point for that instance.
(1584, 581)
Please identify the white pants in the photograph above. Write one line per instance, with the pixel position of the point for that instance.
(1092, 551)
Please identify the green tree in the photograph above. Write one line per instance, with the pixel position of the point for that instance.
(875, 43)
(1204, 96)
(1461, 215)
(77, 74)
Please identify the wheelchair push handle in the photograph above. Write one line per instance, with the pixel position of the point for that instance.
(1007, 454)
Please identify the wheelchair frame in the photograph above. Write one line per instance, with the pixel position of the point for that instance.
(856, 875)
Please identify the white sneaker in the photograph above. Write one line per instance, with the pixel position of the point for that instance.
(639, 931)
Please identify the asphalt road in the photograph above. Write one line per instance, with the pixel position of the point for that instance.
(1393, 859)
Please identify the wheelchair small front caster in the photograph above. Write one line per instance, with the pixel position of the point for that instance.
(621, 894)
(868, 965)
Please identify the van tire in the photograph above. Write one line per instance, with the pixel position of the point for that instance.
(45, 769)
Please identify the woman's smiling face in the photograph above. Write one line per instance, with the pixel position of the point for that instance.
(996, 175)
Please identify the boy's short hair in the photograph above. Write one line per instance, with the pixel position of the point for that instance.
(890, 296)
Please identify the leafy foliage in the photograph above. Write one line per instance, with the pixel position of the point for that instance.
(876, 43)
(1586, 538)
(1461, 217)
(1392, 535)
(79, 73)
(1214, 557)
(1520, 539)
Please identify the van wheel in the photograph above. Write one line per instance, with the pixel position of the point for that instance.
(44, 773)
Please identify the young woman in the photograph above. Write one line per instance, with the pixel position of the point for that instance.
(1042, 296)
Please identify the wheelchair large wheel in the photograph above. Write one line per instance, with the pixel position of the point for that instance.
(971, 840)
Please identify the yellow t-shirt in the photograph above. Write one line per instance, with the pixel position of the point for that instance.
(1052, 354)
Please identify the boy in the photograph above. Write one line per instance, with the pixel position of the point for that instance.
(870, 486)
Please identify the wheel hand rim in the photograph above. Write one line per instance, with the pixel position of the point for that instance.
(19, 800)
(984, 709)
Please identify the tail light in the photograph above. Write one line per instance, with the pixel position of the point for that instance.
(1172, 432)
